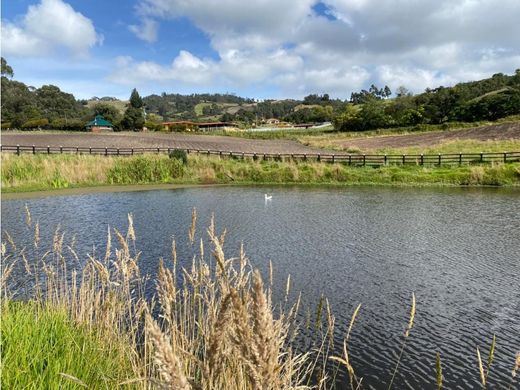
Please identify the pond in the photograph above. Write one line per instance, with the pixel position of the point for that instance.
(457, 249)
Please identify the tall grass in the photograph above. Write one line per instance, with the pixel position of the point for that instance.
(42, 348)
(70, 322)
(28, 172)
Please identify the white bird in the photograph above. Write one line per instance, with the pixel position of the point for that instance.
(268, 197)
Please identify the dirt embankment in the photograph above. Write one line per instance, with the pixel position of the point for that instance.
(503, 131)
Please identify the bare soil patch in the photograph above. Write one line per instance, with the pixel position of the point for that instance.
(503, 131)
(155, 140)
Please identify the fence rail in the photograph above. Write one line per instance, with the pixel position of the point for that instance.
(349, 159)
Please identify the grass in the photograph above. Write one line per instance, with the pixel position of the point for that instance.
(42, 172)
(88, 323)
(43, 348)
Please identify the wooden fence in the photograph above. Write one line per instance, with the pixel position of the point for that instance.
(349, 159)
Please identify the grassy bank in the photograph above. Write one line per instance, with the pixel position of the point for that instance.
(43, 348)
(42, 172)
(88, 322)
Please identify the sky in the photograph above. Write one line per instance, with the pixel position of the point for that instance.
(258, 49)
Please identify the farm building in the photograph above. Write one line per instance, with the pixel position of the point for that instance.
(195, 126)
(99, 124)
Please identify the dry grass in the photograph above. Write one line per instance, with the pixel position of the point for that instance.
(215, 329)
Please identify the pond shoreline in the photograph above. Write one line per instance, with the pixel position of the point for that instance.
(70, 174)
(85, 190)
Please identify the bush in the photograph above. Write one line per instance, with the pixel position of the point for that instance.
(179, 154)
(36, 123)
(145, 169)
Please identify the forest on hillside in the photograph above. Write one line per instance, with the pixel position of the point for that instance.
(47, 107)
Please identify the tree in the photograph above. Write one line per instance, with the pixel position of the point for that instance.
(402, 91)
(6, 69)
(135, 99)
(387, 92)
(108, 111)
(134, 114)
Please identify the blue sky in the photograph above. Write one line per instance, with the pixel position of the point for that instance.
(261, 49)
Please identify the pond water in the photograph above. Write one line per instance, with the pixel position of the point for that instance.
(457, 249)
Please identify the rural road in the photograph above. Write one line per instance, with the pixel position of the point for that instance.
(155, 140)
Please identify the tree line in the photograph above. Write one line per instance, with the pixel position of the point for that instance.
(26, 107)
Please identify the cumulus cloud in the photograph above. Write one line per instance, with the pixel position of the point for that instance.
(147, 31)
(47, 26)
(294, 49)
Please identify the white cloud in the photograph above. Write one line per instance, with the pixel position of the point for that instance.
(46, 27)
(147, 31)
(185, 68)
(286, 46)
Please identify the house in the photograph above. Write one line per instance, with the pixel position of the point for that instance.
(195, 126)
(99, 124)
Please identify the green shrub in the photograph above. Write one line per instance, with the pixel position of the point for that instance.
(179, 154)
(36, 123)
(145, 169)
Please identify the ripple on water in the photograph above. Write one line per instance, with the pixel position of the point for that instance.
(457, 249)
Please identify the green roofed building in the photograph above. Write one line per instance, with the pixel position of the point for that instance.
(99, 124)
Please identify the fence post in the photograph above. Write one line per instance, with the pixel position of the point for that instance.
(319, 157)
(90, 150)
(364, 160)
(61, 149)
(158, 151)
(440, 159)
(48, 149)
(505, 157)
(404, 159)
(385, 159)
(34, 149)
(481, 157)
(132, 151)
(18, 150)
(118, 151)
(305, 157)
(422, 159)
(220, 154)
(106, 151)
(460, 158)
(349, 159)
(333, 158)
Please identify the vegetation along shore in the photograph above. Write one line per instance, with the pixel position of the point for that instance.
(45, 172)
